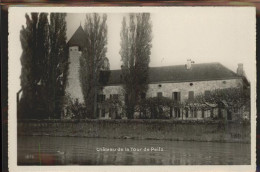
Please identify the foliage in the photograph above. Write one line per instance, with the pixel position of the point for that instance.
(235, 98)
(113, 104)
(74, 109)
(135, 55)
(92, 60)
(58, 64)
(35, 46)
(104, 77)
(156, 107)
(44, 63)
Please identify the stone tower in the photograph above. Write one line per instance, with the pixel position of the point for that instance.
(76, 43)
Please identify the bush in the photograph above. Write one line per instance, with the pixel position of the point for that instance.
(155, 108)
(74, 109)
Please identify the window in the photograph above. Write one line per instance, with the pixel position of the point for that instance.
(160, 110)
(176, 96)
(171, 112)
(186, 113)
(103, 112)
(114, 96)
(177, 112)
(98, 111)
(110, 112)
(191, 113)
(191, 95)
(206, 93)
(101, 98)
(159, 94)
(143, 95)
(98, 98)
(195, 113)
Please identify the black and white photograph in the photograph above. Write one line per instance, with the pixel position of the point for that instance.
(156, 88)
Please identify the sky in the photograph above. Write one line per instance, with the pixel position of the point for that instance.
(204, 36)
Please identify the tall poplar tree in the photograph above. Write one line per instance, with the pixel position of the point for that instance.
(135, 54)
(35, 46)
(58, 64)
(92, 60)
(44, 66)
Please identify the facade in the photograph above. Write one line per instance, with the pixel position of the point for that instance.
(179, 83)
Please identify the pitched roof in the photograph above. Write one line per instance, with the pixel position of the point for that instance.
(78, 38)
(179, 73)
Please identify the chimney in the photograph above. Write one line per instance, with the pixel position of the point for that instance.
(188, 65)
(240, 70)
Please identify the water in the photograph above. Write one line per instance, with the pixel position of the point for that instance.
(44, 150)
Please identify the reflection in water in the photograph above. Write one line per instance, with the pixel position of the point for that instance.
(43, 150)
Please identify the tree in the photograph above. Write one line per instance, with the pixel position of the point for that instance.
(113, 106)
(58, 64)
(135, 54)
(35, 45)
(92, 60)
(44, 65)
(233, 99)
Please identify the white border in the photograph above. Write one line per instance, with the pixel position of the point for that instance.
(12, 123)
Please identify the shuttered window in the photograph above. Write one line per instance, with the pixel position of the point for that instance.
(176, 96)
(159, 94)
(191, 95)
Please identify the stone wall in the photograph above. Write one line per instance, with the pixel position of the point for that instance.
(198, 87)
(140, 129)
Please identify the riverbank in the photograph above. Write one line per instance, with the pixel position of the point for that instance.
(208, 131)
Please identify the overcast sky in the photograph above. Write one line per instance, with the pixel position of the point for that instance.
(208, 35)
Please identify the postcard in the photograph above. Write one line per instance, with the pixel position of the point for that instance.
(132, 88)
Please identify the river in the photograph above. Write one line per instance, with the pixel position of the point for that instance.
(44, 150)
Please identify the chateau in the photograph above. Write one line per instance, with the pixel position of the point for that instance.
(179, 82)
